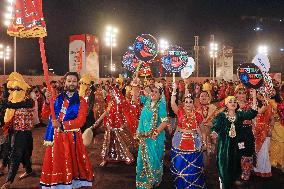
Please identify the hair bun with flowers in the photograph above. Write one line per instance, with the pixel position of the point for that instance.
(189, 95)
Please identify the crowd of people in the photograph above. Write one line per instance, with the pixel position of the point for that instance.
(242, 127)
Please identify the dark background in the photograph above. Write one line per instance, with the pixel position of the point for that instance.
(232, 22)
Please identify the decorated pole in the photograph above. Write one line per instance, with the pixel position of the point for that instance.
(46, 76)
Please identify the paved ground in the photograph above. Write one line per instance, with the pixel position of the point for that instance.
(120, 176)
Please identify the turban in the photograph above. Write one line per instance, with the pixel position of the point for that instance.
(84, 82)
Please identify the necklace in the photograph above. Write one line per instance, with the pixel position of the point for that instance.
(232, 131)
(189, 118)
(205, 110)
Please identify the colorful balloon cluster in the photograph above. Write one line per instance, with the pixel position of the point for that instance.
(144, 49)
(250, 75)
(174, 59)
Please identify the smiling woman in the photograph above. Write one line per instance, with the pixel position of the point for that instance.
(226, 129)
(187, 144)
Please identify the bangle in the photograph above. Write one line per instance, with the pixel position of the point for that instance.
(173, 94)
(155, 132)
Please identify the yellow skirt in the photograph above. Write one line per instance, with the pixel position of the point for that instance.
(277, 146)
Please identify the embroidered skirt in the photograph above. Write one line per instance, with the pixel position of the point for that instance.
(187, 168)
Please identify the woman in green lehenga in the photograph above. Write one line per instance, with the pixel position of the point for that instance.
(227, 130)
(151, 136)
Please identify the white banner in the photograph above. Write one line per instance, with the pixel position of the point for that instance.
(224, 64)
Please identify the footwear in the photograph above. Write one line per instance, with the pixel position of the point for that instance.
(6, 185)
(25, 175)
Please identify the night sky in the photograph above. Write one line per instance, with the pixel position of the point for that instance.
(176, 20)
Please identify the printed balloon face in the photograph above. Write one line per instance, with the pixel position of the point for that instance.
(262, 61)
(250, 75)
(174, 59)
(145, 47)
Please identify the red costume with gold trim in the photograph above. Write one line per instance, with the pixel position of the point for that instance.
(119, 145)
(186, 124)
(134, 114)
(66, 162)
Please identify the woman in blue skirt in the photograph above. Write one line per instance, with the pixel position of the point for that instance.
(186, 155)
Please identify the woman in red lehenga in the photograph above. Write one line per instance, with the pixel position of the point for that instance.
(133, 114)
(262, 132)
(119, 144)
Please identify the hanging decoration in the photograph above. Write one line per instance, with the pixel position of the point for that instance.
(27, 19)
(250, 75)
(28, 22)
(174, 59)
(145, 70)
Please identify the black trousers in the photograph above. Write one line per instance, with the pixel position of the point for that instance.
(21, 152)
(5, 148)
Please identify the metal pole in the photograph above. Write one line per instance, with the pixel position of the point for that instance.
(210, 66)
(4, 62)
(15, 54)
(111, 55)
(213, 67)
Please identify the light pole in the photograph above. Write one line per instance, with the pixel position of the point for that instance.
(7, 22)
(5, 55)
(213, 54)
(110, 38)
(163, 45)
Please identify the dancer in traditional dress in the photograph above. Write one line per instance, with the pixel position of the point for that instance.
(119, 145)
(226, 128)
(245, 138)
(151, 134)
(66, 163)
(208, 111)
(87, 93)
(262, 132)
(99, 104)
(186, 155)
(277, 138)
(18, 122)
(134, 112)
